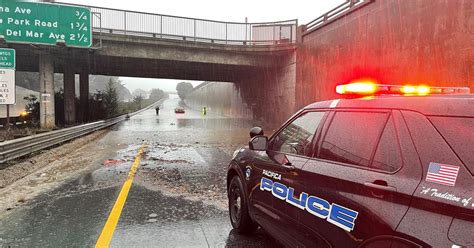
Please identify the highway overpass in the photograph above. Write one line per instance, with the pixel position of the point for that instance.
(182, 48)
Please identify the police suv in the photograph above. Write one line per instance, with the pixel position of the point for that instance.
(391, 170)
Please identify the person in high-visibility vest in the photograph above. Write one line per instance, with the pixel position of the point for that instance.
(204, 111)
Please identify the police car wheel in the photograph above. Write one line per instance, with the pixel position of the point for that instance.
(238, 211)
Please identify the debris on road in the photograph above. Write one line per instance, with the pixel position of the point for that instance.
(110, 162)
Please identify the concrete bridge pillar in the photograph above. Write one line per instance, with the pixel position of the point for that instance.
(69, 95)
(84, 95)
(46, 78)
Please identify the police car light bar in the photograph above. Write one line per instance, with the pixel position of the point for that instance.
(369, 88)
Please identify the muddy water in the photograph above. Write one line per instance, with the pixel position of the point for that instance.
(177, 199)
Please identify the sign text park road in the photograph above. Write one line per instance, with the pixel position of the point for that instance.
(41, 23)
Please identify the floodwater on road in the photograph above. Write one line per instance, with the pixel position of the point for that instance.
(177, 198)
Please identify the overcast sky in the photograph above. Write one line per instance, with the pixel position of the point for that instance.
(220, 10)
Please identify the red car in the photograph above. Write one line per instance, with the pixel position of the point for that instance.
(179, 110)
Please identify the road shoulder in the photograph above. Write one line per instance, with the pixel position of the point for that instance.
(32, 176)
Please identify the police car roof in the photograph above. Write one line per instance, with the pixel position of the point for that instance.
(452, 105)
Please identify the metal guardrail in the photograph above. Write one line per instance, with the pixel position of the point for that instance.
(339, 11)
(134, 23)
(16, 148)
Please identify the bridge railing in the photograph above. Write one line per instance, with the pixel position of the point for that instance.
(339, 11)
(134, 23)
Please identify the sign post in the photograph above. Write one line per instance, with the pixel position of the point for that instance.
(7, 80)
(8, 117)
(46, 24)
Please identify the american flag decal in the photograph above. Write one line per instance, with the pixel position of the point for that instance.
(442, 174)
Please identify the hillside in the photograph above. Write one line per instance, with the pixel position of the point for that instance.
(29, 80)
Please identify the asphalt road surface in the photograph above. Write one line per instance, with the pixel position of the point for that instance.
(176, 198)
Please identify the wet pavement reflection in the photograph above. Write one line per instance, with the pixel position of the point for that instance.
(178, 197)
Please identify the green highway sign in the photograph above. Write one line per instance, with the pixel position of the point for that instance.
(7, 58)
(44, 23)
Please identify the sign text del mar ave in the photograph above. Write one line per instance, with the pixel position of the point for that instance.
(41, 23)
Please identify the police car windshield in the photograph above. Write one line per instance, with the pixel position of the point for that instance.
(459, 133)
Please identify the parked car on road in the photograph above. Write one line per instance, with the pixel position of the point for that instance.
(179, 110)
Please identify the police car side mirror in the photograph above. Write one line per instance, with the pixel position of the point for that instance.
(256, 131)
(258, 143)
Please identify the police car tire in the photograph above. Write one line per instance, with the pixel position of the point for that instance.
(245, 223)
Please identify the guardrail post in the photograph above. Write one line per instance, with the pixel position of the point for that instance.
(274, 41)
(194, 29)
(280, 32)
(251, 34)
(125, 22)
(291, 33)
(226, 33)
(246, 25)
(161, 26)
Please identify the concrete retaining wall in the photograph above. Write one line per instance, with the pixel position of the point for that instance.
(271, 92)
(395, 42)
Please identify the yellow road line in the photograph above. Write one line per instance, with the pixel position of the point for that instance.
(109, 228)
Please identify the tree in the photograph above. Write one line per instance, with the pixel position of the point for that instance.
(28, 80)
(33, 108)
(183, 89)
(139, 92)
(137, 100)
(97, 109)
(59, 107)
(157, 94)
(99, 83)
(111, 98)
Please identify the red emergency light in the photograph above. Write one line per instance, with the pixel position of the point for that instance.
(367, 88)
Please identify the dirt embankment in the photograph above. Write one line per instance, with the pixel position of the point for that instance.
(23, 179)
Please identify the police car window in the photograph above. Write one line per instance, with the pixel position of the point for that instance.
(297, 136)
(388, 155)
(459, 133)
(352, 136)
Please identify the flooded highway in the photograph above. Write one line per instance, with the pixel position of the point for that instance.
(176, 198)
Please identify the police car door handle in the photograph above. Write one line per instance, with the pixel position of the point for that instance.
(288, 166)
(378, 184)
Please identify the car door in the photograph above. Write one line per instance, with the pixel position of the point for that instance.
(442, 209)
(362, 177)
(278, 172)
